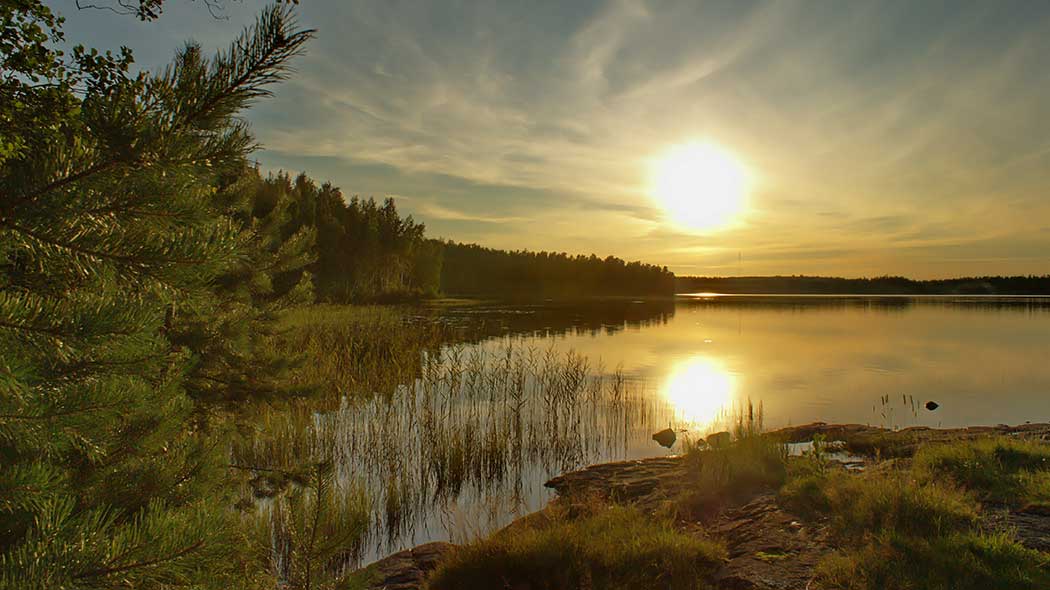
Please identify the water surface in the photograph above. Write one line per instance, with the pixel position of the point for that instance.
(461, 460)
(984, 360)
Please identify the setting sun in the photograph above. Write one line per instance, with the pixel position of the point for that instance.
(700, 186)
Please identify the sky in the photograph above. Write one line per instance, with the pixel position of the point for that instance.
(898, 137)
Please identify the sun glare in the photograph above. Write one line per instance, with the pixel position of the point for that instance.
(700, 389)
(700, 186)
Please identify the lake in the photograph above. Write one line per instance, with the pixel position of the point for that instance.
(536, 389)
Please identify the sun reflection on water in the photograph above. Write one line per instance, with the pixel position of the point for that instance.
(701, 389)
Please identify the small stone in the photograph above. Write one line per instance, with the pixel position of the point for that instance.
(665, 437)
(931, 405)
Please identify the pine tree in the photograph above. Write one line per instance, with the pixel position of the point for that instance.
(111, 228)
(228, 335)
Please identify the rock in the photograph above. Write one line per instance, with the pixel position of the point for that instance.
(665, 437)
(931, 405)
(719, 439)
(408, 569)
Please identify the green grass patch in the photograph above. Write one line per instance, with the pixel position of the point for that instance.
(612, 547)
(920, 526)
(958, 561)
(1006, 470)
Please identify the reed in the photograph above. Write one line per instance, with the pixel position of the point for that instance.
(422, 426)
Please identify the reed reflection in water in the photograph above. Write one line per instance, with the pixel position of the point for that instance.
(466, 447)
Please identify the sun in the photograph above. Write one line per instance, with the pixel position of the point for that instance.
(700, 186)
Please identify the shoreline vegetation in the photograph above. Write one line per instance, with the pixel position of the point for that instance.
(938, 509)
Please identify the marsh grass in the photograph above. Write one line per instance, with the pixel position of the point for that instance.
(425, 428)
(595, 546)
(355, 350)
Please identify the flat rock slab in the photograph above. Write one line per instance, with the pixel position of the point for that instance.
(769, 549)
(641, 482)
(1029, 526)
(408, 569)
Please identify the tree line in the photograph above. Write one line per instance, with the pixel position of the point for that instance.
(889, 285)
(367, 251)
(470, 269)
(363, 250)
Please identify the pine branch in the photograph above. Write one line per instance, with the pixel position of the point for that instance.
(108, 571)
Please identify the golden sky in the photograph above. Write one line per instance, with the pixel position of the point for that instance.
(877, 138)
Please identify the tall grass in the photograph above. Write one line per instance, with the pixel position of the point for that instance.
(356, 350)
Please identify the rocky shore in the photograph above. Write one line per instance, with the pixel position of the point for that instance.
(768, 547)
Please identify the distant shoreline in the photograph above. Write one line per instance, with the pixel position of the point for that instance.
(990, 296)
(1015, 286)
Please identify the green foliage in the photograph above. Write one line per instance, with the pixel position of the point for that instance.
(227, 332)
(599, 547)
(114, 226)
(1006, 470)
(364, 251)
(308, 534)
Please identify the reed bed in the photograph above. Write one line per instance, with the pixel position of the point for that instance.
(439, 428)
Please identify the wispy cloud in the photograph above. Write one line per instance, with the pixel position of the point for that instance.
(880, 133)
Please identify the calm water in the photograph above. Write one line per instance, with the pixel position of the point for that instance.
(685, 363)
(816, 358)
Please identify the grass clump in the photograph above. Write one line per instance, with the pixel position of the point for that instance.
(728, 471)
(877, 503)
(957, 561)
(882, 503)
(612, 547)
(1004, 470)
